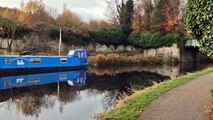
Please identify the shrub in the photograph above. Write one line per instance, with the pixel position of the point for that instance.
(54, 33)
(170, 38)
(101, 60)
(155, 40)
(152, 60)
(108, 36)
(113, 59)
(98, 60)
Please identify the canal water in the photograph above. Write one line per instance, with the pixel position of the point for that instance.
(80, 94)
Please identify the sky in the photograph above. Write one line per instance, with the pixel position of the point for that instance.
(85, 9)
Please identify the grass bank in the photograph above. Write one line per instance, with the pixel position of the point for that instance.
(131, 107)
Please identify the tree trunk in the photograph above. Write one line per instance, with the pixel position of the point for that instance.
(1, 42)
(10, 42)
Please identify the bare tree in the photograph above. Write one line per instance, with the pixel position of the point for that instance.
(34, 12)
(53, 13)
(115, 11)
(68, 18)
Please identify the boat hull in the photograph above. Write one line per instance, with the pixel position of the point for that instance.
(15, 63)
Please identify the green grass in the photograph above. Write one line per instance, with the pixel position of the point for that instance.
(5, 52)
(135, 104)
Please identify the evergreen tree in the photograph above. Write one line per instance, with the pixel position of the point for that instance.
(127, 20)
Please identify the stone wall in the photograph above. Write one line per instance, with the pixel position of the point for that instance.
(172, 51)
(163, 52)
(99, 48)
(16, 44)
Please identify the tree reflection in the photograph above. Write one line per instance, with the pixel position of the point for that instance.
(110, 99)
(68, 95)
(31, 100)
(29, 106)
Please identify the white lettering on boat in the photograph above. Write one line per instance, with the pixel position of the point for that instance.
(81, 55)
(20, 62)
(19, 80)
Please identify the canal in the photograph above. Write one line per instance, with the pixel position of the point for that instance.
(80, 94)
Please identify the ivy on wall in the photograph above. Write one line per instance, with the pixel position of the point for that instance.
(199, 21)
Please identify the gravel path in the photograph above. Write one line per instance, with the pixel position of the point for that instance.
(185, 102)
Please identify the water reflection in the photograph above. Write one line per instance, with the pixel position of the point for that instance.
(166, 70)
(172, 71)
(73, 78)
(77, 95)
(44, 95)
(122, 83)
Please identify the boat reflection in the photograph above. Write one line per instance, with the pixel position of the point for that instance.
(73, 78)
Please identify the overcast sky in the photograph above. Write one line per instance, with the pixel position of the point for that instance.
(86, 9)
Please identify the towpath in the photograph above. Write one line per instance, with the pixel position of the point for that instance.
(185, 102)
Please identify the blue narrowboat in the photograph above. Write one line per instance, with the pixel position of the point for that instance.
(75, 59)
(73, 78)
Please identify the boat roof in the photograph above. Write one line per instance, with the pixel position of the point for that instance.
(30, 56)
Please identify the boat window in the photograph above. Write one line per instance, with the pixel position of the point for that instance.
(34, 80)
(8, 61)
(35, 60)
(7, 83)
(63, 60)
(63, 77)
